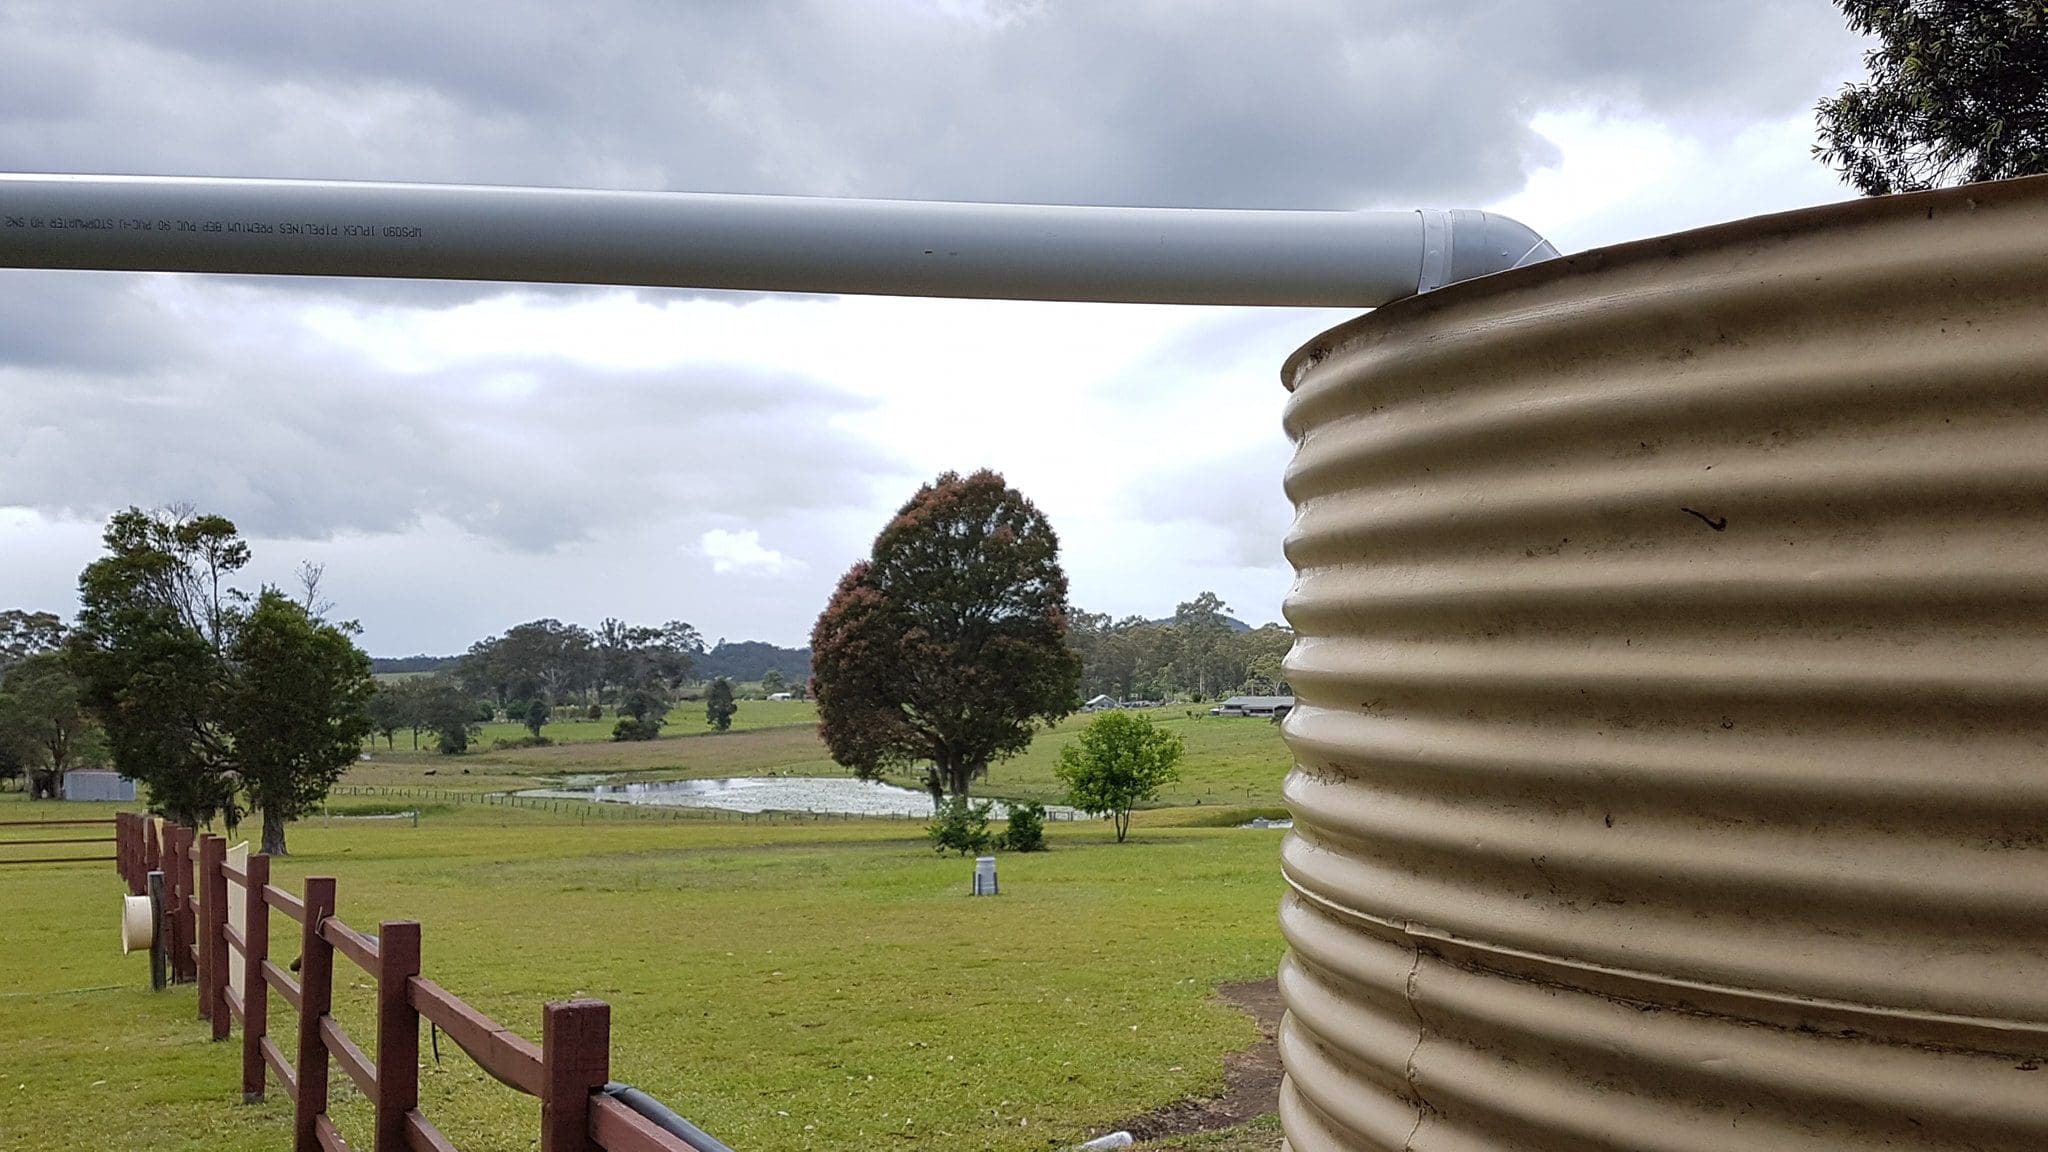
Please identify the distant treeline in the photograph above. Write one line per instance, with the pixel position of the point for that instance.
(421, 663)
(1199, 653)
(740, 660)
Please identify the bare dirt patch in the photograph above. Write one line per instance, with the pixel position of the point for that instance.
(1251, 1077)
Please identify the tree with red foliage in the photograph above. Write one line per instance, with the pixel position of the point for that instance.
(948, 646)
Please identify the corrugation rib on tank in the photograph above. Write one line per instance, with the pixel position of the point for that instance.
(1672, 672)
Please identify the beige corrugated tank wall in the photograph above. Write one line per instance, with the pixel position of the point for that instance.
(1672, 746)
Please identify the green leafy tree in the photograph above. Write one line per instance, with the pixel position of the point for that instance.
(635, 656)
(641, 712)
(719, 705)
(210, 698)
(1120, 760)
(44, 728)
(156, 618)
(947, 647)
(445, 708)
(412, 694)
(538, 713)
(772, 682)
(24, 634)
(1203, 662)
(389, 711)
(1958, 92)
(296, 707)
(540, 657)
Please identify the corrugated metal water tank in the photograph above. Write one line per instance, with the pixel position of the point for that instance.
(1672, 728)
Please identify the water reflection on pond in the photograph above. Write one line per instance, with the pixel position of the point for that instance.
(837, 795)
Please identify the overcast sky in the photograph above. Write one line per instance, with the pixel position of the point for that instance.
(464, 457)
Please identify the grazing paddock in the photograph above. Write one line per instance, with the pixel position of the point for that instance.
(1229, 761)
(806, 986)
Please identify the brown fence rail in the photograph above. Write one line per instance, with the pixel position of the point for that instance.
(36, 840)
(582, 1110)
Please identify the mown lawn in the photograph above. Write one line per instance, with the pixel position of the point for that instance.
(788, 987)
(1229, 761)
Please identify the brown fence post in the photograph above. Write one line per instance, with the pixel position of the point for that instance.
(133, 870)
(398, 1032)
(159, 948)
(184, 968)
(575, 1060)
(188, 862)
(152, 855)
(213, 943)
(255, 990)
(316, 997)
(122, 864)
(174, 912)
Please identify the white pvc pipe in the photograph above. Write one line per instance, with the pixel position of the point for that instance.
(760, 243)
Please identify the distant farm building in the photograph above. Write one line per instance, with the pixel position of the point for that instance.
(97, 784)
(1099, 704)
(1272, 707)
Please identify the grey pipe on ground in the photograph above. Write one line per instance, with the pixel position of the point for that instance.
(664, 1117)
(756, 243)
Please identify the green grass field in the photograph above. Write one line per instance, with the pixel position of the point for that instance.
(823, 985)
(570, 726)
(1229, 761)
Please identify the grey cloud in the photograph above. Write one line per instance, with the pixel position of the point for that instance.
(106, 396)
(1233, 503)
(91, 321)
(306, 453)
(1312, 104)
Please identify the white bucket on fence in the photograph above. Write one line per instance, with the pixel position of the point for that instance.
(137, 925)
(985, 876)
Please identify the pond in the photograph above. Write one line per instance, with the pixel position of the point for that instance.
(837, 795)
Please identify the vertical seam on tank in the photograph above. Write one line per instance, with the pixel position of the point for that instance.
(1408, 1070)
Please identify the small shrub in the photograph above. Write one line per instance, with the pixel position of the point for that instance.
(505, 743)
(960, 826)
(594, 712)
(719, 705)
(632, 729)
(536, 714)
(1026, 832)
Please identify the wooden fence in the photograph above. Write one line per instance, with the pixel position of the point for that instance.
(37, 840)
(569, 1070)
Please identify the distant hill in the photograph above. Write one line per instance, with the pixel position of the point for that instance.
(1230, 622)
(751, 659)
